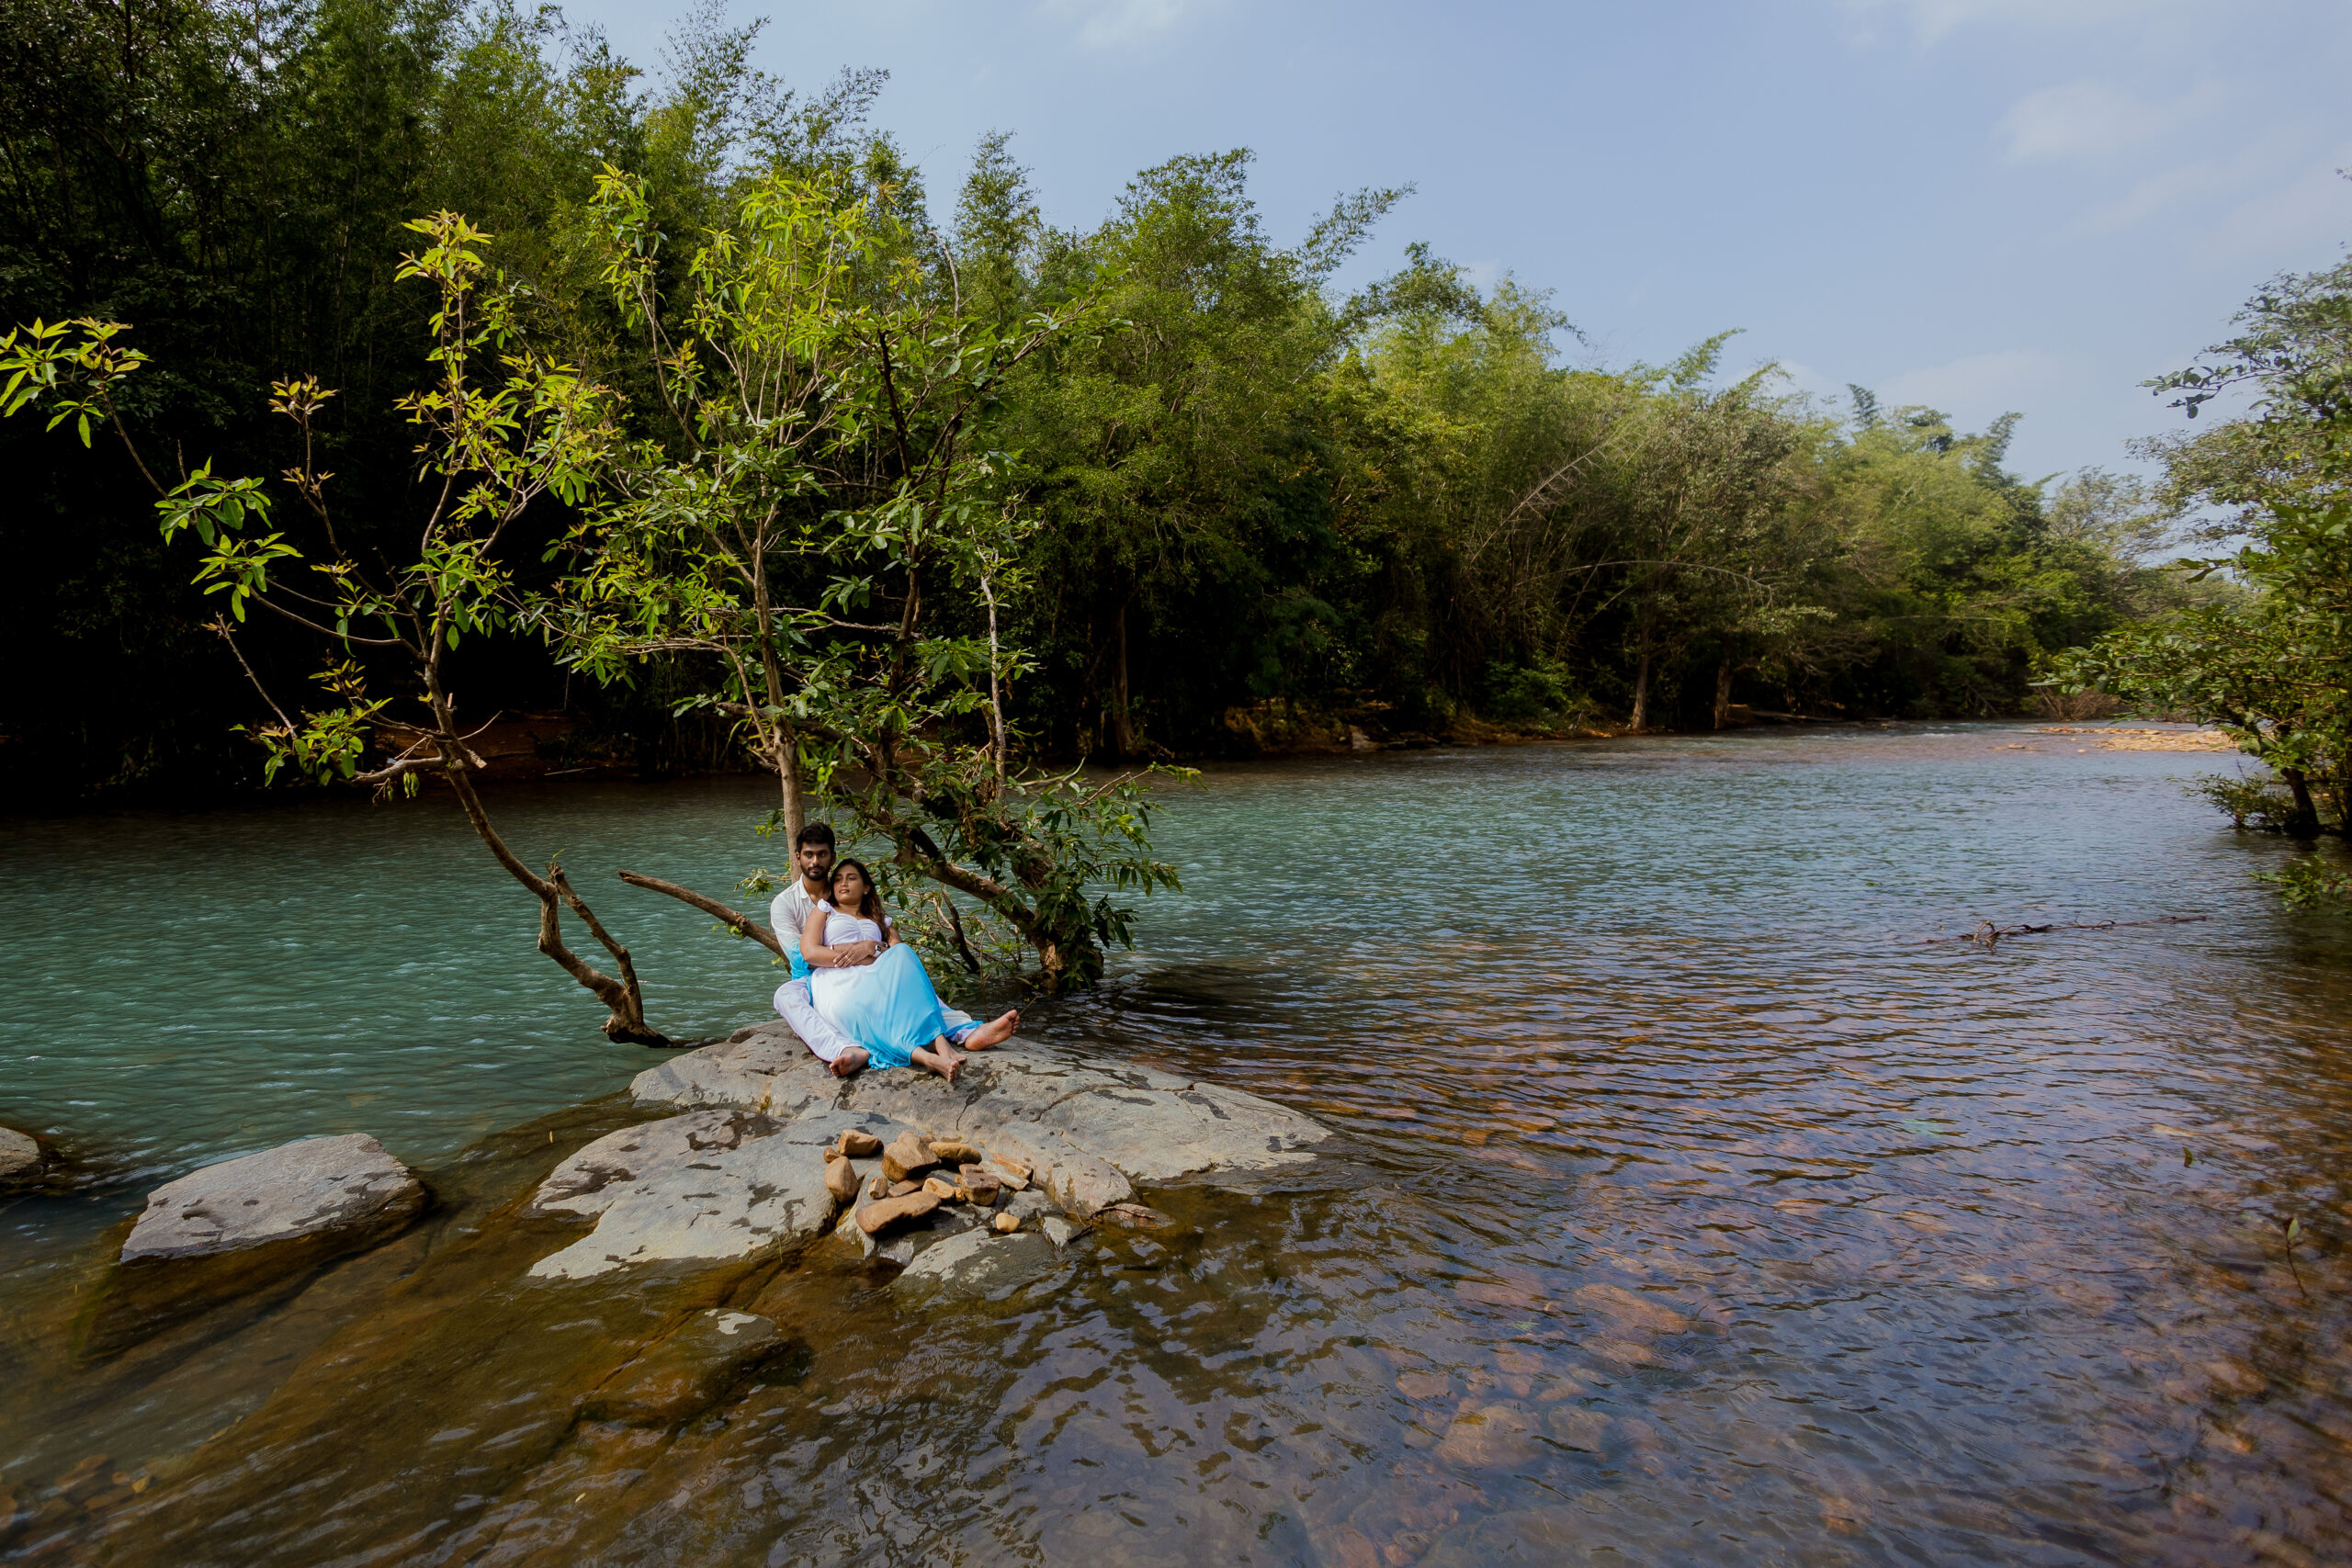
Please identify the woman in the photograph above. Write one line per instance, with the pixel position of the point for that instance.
(873, 987)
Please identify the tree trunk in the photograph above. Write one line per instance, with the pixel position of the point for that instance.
(1642, 685)
(788, 768)
(623, 997)
(1123, 727)
(2304, 823)
(1723, 689)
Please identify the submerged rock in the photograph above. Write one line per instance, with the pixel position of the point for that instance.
(314, 1186)
(20, 1154)
(1084, 1131)
(686, 1371)
(712, 1185)
(979, 1263)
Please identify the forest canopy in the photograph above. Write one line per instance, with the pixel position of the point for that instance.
(1242, 507)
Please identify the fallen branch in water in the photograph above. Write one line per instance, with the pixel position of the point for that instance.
(1990, 934)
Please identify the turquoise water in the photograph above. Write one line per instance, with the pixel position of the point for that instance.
(1690, 1200)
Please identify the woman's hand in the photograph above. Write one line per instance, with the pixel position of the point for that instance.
(852, 954)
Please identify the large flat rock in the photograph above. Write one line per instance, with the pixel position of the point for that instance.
(1092, 1129)
(710, 1185)
(312, 1188)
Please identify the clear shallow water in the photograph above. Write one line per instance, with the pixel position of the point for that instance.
(1688, 1204)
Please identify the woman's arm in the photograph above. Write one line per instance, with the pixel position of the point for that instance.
(819, 956)
(813, 939)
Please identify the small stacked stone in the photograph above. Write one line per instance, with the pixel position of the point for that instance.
(901, 1191)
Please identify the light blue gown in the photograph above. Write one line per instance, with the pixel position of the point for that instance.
(888, 1006)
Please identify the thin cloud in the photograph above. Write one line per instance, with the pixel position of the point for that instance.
(2094, 120)
(2185, 184)
(2309, 213)
(1118, 24)
(1981, 386)
(1932, 21)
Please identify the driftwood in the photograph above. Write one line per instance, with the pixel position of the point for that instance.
(1990, 934)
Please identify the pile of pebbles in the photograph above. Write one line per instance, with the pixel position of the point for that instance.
(901, 1191)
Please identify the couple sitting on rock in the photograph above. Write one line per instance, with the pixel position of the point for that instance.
(858, 995)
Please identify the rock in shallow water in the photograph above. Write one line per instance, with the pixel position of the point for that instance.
(249, 1227)
(1085, 1130)
(19, 1154)
(294, 1192)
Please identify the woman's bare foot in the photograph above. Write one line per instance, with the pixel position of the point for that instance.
(943, 1063)
(850, 1061)
(994, 1033)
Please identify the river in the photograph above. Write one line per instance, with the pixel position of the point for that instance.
(1691, 1201)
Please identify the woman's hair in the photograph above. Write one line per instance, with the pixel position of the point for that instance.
(870, 906)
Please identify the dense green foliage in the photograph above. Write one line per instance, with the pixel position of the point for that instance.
(1243, 507)
(2272, 664)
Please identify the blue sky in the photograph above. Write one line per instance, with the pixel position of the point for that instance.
(1978, 204)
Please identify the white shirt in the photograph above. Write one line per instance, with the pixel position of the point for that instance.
(788, 917)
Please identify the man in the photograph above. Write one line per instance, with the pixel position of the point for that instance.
(812, 857)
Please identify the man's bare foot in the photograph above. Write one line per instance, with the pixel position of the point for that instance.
(994, 1033)
(850, 1061)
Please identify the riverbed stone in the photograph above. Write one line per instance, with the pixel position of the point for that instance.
(841, 1179)
(310, 1188)
(19, 1154)
(1057, 1230)
(706, 1186)
(875, 1218)
(979, 1194)
(977, 1263)
(906, 1154)
(1087, 1130)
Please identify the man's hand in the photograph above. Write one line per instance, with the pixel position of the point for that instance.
(849, 955)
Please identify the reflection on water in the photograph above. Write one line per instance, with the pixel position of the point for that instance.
(1689, 1204)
